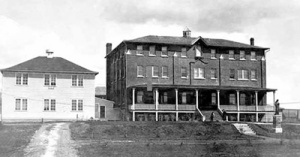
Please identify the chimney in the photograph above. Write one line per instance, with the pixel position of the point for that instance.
(252, 41)
(108, 48)
(187, 33)
(49, 54)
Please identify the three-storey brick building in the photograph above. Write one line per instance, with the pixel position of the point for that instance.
(163, 78)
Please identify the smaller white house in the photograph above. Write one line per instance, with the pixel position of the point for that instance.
(48, 88)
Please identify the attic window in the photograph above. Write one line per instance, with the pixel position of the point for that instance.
(198, 52)
(164, 51)
(183, 52)
(139, 50)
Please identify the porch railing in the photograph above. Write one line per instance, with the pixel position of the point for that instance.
(164, 107)
(247, 108)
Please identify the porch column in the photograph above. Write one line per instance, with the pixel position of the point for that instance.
(238, 105)
(197, 99)
(256, 105)
(273, 97)
(176, 105)
(156, 104)
(218, 92)
(133, 104)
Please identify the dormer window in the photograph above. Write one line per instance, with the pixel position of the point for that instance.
(213, 54)
(198, 52)
(253, 55)
(164, 51)
(152, 51)
(139, 50)
(183, 52)
(242, 55)
(231, 54)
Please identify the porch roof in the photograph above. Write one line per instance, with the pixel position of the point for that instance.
(207, 87)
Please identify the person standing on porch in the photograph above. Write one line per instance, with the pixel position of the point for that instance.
(212, 115)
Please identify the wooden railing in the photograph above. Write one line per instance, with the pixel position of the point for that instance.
(247, 108)
(163, 107)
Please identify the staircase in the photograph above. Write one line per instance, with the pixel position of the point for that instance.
(244, 129)
(207, 114)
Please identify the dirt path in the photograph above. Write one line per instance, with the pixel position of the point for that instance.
(52, 140)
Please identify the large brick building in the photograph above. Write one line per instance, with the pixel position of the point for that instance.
(162, 78)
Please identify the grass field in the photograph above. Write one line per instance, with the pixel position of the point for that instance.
(168, 139)
(15, 137)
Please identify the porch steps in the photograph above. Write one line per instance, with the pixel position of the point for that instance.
(207, 114)
(244, 129)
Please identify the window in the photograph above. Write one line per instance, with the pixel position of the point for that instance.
(231, 74)
(50, 80)
(253, 74)
(77, 105)
(49, 104)
(102, 111)
(24, 104)
(18, 105)
(164, 51)
(198, 73)
(242, 55)
(213, 98)
(164, 71)
(154, 71)
(253, 55)
(213, 73)
(183, 72)
(232, 99)
(21, 79)
(165, 97)
(25, 79)
(183, 98)
(243, 75)
(231, 54)
(183, 52)
(139, 98)
(139, 50)
(140, 71)
(18, 79)
(213, 54)
(198, 52)
(243, 99)
(77, 80)
(152, 51)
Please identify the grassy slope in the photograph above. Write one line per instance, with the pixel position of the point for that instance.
(14, 138)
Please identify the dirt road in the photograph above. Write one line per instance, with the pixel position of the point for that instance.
(52, 140)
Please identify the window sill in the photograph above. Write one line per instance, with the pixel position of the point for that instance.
(231, 59)
(213, 78)
(213, 58)
(253, 59)
(165, 77)
(183, 56)
(242, 59)
(140, 76)
(253, 79)
(20, 110)
(152, 55)
(154, 76)
(243, 79)
(76, 86)
(165, 56)
(199, 78)
(140, 54)
(26, 85)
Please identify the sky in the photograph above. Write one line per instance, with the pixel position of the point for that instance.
(78, 30)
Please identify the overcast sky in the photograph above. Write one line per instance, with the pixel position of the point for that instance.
(78, 31)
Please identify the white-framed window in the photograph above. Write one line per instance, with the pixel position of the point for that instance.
(198, 73)
(198, 52)
(49, 104)
(164, 51)
(140, 71)
(183, 98)
(242, 55)
(253, 55)
(21, 105)
(231, 74)
(183, 72)
(231, 54)
(21, 79)
(152, 51)
(77, 105)
(165, 97)
(164, 71)
(139, 97)
(243, 75)
(77, 80)
(50, 80)
(213, 73)
(213, 54)
(139, 50)
(183, 52)
(253, 75)
(154, 71)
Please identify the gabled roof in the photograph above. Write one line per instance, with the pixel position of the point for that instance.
(49, 65)
(191, 41)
